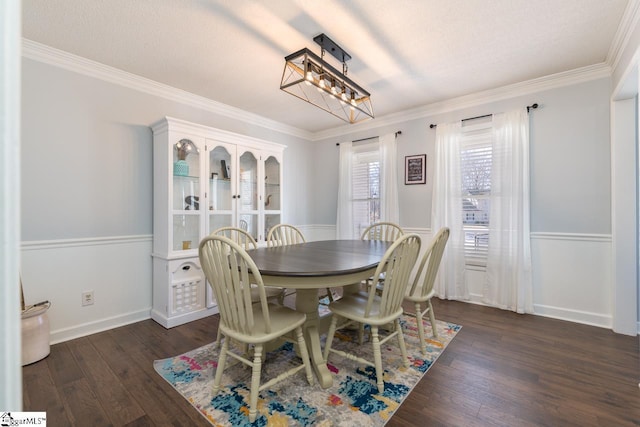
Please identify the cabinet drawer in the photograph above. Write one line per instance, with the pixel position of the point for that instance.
(187, 288)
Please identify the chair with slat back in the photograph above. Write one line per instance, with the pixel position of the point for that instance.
(284, 234)
(382, 231)
(239, 235)
(287, 234)
(421, 290)
(367, 307)
(230, 271)
(246, 241)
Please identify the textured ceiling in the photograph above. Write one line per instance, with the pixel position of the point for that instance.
(406, 53)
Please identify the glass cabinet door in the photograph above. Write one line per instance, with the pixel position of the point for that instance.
(271, 193)
(186, 195)
(221, 188)
(247, 197)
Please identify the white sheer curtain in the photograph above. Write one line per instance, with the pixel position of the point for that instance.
(446, 211)
(508, 279)
(389, 210)
(344, 222)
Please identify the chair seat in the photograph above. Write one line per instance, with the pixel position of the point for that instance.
(270, 291)
(353, 307)
(283, 320)
(417, 295)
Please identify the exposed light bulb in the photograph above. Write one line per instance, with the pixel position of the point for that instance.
(309, 74)
(322, 82)
(344, 94)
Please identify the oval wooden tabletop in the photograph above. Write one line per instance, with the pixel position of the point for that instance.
(319, 258)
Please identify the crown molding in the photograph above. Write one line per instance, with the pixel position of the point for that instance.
(49, 55)
(565, 78)
(628, 22)
(46, 54)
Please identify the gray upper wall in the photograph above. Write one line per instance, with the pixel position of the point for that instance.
(87, 158)
(570, 160)
(87, 155)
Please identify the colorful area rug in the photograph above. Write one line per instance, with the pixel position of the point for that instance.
(353, 400)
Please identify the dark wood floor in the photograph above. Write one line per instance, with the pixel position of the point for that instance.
(502, 369)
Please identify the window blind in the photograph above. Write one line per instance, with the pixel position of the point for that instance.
(365, 177)
(475, 165)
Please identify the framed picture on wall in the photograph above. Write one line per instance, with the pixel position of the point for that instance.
(415, 169)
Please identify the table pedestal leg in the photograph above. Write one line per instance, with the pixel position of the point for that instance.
(307, 303)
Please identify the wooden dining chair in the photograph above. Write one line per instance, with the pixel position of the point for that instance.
(284, 234)
(287, 234)
(384, 232)
(367, 307)
(228, 269)
(246, 241)
(239, 235)
(421, 290)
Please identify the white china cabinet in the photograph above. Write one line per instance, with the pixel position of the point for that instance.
(204, 179)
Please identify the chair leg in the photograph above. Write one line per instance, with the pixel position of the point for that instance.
(255, 382)
(361, 333)
(403, 348)
(304, 354)
(377, 357)
(432, 318)
(330, 334)
(222, 360)
(330, 294)
(420, 328)
(218, 338)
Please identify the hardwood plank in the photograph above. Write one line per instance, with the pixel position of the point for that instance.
(113, 396)
(82, 405)
(41, 394)
(62, 365)
(502, 369)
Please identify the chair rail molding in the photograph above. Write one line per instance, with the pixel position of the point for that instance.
(117, 269)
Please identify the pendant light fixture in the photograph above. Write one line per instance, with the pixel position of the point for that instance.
(312, 79)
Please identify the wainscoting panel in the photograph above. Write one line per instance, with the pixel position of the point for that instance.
(571, 274)
(117, 269)
(572, 277)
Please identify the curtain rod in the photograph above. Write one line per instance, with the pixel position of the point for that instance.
(371, 137)
(529, 107)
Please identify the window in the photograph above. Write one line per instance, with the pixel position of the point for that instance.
(365, 187)
(475, 166)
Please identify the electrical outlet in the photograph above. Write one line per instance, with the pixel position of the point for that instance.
(87, 298)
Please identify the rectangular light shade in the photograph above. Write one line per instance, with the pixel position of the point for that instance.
(310, 78)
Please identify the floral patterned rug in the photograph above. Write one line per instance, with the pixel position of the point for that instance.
(353, 400)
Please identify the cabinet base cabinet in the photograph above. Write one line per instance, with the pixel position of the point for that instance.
(204, 179)
(180, 293)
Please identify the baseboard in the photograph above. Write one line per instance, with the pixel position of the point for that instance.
(576, 316)
(183, 318)
(101, 325)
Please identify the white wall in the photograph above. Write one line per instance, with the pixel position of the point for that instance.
(70, 207)
(10, 341)
(87, 189)
(570, 193)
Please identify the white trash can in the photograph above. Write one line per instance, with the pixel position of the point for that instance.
(35, 334)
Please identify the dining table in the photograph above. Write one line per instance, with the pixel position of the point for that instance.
(307, 267)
